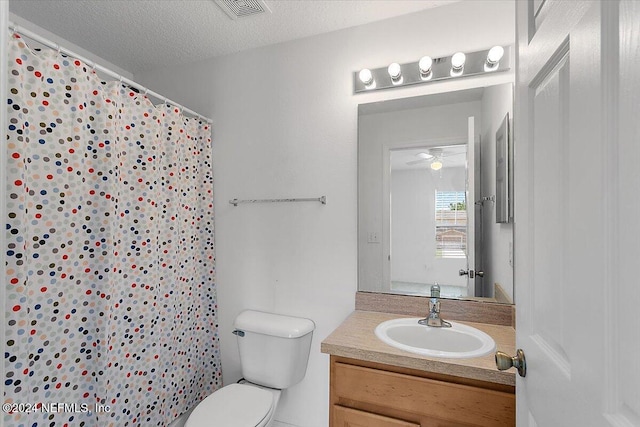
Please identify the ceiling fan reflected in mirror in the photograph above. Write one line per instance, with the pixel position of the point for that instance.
(433, 156)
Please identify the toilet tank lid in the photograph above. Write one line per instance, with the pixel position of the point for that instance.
(276, 325)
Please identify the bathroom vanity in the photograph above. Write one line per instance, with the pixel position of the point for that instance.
(375, 385)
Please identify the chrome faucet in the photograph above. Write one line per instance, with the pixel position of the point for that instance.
(433, 318)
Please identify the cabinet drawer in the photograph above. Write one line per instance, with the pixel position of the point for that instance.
(347, 417)
(422, 396)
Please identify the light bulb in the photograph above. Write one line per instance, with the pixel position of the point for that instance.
(457, 64)
(493, 58)
(425, 67)
(365, 76)
(457, 61)
(395, 72)
(436, 165)
(495, 55)
(425, 64)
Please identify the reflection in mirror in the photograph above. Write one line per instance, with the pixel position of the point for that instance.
(429, 220)
(426, 196)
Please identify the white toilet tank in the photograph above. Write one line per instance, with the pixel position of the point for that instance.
(274, 349)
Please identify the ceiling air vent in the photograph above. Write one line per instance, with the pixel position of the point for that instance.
(242, 8)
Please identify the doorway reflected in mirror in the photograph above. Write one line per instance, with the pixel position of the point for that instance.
(429, 224)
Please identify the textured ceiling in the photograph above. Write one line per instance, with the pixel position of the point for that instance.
(138, 35)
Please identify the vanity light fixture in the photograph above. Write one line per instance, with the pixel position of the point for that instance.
(366, 77)
(395, 72)
(428, 69)
(493, 58)
(424, 65)
(457, 63)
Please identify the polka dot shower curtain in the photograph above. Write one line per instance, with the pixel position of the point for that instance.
(111, 305)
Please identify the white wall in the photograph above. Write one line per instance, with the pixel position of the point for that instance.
(413, 232)
(497, 101)
(285, 125)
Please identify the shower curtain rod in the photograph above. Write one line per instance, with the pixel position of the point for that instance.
(33, 36)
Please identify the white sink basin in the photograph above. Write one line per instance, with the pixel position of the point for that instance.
(459, 341)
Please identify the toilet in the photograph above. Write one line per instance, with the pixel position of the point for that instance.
(274, 351)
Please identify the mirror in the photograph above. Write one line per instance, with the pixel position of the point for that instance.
(429, 172)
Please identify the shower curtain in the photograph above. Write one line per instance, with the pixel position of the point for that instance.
(111, 304)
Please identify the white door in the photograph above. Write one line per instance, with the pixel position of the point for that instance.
(471, 207)
(577, 212)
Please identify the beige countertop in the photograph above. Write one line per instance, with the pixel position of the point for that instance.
(355, 339)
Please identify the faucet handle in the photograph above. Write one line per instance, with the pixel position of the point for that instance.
(435, 290)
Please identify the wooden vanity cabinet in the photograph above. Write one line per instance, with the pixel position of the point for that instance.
(367, 394)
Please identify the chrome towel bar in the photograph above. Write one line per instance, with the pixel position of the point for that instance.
(236, 202)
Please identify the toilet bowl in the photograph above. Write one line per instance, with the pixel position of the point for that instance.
(236, 405)
(274, 351)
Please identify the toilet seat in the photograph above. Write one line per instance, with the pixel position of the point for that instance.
(235, 405)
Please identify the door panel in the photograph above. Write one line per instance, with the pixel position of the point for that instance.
(550, 146)
(576, 221)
